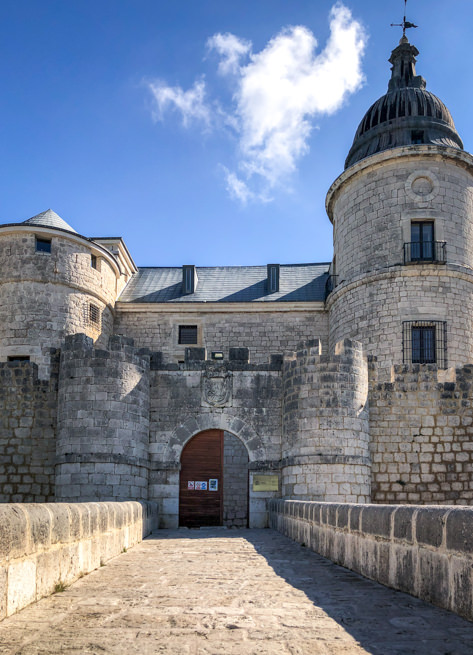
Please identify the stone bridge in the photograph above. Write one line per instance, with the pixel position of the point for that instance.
(220, 591)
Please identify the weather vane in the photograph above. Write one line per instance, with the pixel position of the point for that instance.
(405, 23)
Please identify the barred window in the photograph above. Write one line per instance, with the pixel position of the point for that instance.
(188, 334)
(424, 342)
(94, 316)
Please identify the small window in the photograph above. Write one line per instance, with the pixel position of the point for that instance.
(417, 137)
(93, 261)
(94, 314)
(273, 277)
(425, 342)
(43, 245)
(18, 358)
(188, 335)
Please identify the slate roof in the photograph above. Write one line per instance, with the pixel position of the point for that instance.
(49, 219)
(297, 283)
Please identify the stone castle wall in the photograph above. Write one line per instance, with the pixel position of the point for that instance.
(28, 415)
(325, 440)
(372, 309)
(262, 332)
(103, 421)
(179, 409)
(421, 427)
(48, 295)
(235, 480)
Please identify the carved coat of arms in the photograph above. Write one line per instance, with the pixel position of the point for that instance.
(216, 388)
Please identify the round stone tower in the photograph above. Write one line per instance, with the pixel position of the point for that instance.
(53, 282)
(402, 213)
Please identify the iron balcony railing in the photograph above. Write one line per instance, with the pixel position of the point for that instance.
(330, 283)
(425, 252)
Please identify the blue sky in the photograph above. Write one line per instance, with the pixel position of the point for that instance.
(204, 131)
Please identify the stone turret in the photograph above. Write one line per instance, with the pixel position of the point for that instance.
(103, 421)
(402, 214)
(53, 282)
(325, 447)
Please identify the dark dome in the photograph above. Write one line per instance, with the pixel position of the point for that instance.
(406, 115)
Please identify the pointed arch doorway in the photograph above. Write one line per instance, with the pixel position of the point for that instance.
(213, 483)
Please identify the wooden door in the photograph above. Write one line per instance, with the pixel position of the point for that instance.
(201, 462)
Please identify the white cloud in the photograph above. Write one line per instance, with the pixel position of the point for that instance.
(191, 104)
(237, 188)
(286, 85)
(231, 49)
(277, 95)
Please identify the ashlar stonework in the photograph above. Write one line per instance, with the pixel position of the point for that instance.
(347, 381)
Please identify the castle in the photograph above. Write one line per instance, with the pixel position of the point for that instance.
(212, 390)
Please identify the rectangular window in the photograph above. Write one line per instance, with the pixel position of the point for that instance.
(273, 277)
(93, 261)
(188, 335)
(94, 314)
(424, 342)
(423, 345)
(422, 241)
(18, 358)
(43, 245)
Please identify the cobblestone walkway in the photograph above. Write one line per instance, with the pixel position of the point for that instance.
(245, 592)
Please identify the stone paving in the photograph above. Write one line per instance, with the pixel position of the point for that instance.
(232, 592)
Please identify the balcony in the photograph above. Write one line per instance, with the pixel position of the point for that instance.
(425, 252)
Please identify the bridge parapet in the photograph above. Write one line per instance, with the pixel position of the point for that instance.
(425, 551)
(46, 546)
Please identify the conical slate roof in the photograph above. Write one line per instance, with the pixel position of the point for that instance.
(407, 114)
(49, 219)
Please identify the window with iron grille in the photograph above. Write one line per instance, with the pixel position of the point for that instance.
(94, 315)
(188, 335)
(424, 342)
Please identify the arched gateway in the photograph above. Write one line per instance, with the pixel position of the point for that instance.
(213, 484)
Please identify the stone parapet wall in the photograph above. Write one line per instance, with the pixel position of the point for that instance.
(325, 440)
(421, 426)
(262, 332)
(28, 417)
(103, 421)
(423, 551)
(46, 546)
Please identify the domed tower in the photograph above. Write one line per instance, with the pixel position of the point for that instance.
(402, 213)
(53, 283)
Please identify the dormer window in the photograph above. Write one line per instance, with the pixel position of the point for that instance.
(189, 279)
(273, 278)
